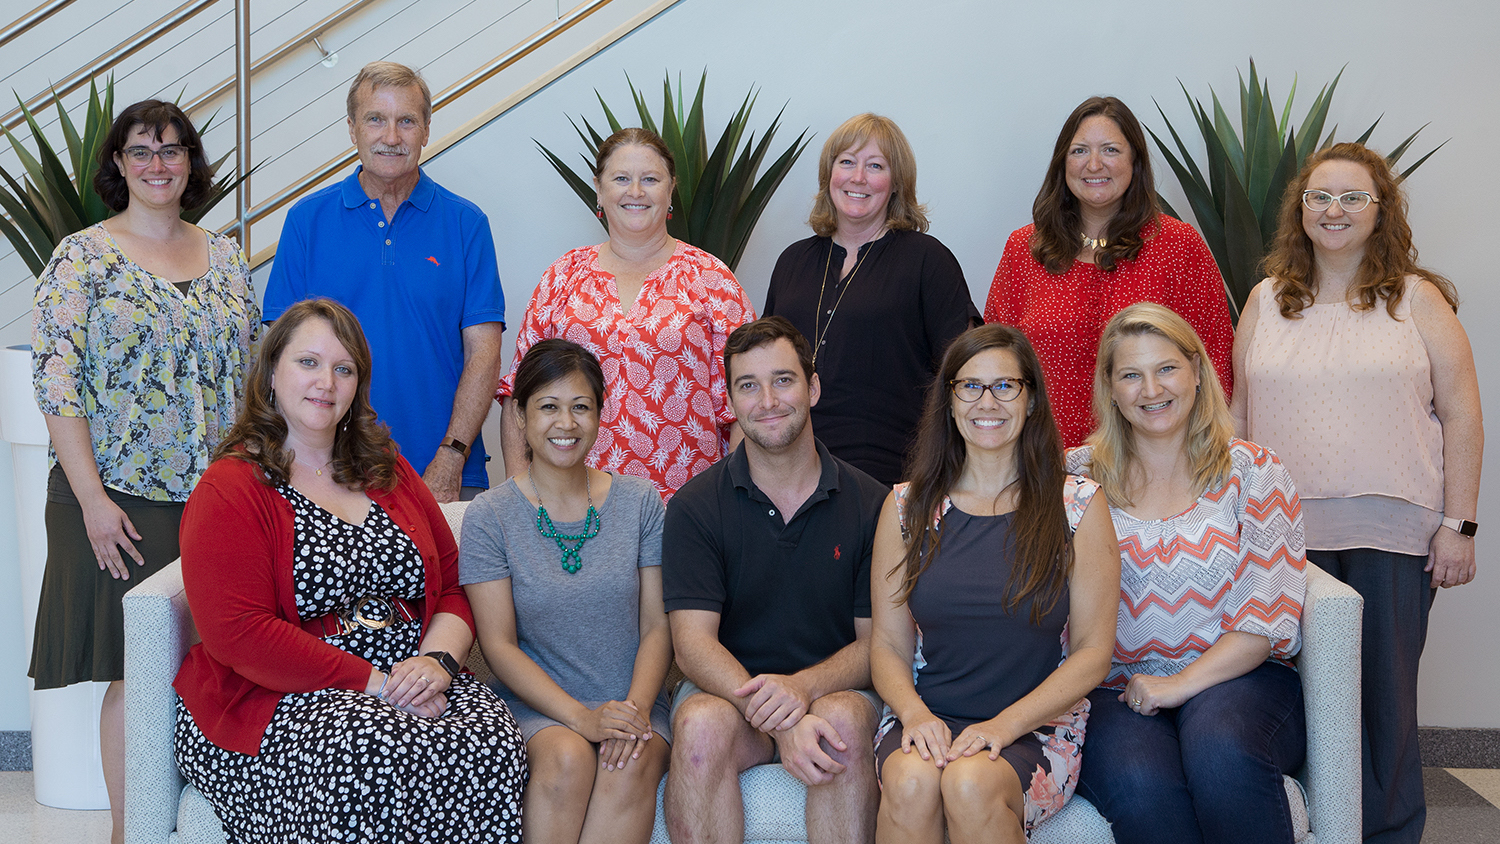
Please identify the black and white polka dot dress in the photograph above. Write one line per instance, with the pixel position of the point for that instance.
(340, 765)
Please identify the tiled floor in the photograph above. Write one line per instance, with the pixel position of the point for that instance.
(1463, 807)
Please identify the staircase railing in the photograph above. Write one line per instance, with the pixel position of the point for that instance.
(30, 19)
(443, 98)
(246, 212)
(107, 61)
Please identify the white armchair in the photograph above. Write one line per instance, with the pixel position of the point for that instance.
(1324, 795)
(159, 805)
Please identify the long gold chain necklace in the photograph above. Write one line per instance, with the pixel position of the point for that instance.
(820, 331)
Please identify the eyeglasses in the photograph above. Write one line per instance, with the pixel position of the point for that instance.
(170, 154)
(1006, 389)
(1354, 201)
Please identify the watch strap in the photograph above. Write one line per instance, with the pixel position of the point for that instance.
(446, 660)
(457, 445)
(1462, 526)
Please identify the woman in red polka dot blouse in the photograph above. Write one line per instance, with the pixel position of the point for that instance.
(1097, 244)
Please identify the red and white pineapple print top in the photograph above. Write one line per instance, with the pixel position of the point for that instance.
(666, 413)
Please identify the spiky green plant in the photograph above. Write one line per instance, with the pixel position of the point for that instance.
(718, 200)
(47, 204)
(1236, 203)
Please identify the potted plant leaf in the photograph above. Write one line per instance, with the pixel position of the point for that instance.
(47, 203)
(1236, 196)
(718, 197)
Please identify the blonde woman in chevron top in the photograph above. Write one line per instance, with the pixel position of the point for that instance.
(1201, 713)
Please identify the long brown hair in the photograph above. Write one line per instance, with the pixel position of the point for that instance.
(1055, 243)
(1389, 257)
(364, 455)
(1042, 541)
(1210, 426)
(902, 211)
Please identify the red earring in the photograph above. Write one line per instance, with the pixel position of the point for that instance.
(599, 211)
(669, 212)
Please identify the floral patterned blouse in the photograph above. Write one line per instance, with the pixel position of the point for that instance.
(156, 372)
(666, 407)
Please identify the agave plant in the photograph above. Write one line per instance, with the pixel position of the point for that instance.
(1237, 201)
(718, 198)
(48, 204)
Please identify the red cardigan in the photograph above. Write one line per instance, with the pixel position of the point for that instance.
(237, 538)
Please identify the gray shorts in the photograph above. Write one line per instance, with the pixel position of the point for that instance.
(687, 688)
(532, 722)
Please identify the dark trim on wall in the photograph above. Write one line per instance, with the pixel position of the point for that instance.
(15, 750)
(1448, 747)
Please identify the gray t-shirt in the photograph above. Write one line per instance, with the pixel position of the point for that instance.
(583, 629)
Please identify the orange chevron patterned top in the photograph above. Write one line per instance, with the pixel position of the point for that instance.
(1234, 561)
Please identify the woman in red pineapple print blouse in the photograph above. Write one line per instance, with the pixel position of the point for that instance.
(654, 311)
(1097, 244)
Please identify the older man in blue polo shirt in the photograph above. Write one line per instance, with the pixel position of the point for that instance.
(416, 263)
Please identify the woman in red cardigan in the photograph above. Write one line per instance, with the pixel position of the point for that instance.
(325, 701)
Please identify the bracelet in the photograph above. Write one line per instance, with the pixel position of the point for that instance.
(457, 445)
(381, 694)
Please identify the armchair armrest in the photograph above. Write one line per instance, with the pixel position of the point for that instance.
(158, 632)
(1330, 668)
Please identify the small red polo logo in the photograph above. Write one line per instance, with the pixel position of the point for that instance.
(836, 552)
(434, 261)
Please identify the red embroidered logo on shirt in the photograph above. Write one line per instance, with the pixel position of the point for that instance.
(434, 261)
(836, 553)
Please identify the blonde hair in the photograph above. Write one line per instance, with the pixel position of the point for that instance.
(1210, 427)
(389, 75)
(902, 212)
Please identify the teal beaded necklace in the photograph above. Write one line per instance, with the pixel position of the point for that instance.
(544, 526)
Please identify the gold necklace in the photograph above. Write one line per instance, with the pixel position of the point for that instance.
(819, 334)
(317, 471)
(1094, 242)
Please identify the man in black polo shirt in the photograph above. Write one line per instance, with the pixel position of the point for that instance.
(766, 575)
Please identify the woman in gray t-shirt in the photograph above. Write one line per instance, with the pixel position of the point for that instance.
(562, 564)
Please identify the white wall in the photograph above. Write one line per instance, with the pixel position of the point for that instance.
(980, 89)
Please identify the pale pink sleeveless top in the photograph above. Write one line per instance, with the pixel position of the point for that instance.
(1344, 398)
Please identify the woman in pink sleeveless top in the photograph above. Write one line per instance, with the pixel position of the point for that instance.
(1354, 369)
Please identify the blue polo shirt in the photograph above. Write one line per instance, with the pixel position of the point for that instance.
(414, 284)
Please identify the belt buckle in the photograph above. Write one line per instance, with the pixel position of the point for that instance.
(355, 615)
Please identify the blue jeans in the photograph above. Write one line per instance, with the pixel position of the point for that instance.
(1208, 771)
(1398, 598)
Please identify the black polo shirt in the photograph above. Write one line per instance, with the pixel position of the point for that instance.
(787, 592)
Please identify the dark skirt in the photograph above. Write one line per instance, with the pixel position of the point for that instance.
(80, 620)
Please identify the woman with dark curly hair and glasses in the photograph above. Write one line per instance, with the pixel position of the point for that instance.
(141, 334)
(326, 700)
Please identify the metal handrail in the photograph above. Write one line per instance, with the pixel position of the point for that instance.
(505, 60)
(32, 18)
(166, 23)
(243, 71)
(279, 53)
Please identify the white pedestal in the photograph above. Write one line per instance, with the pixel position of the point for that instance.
(65, 763)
